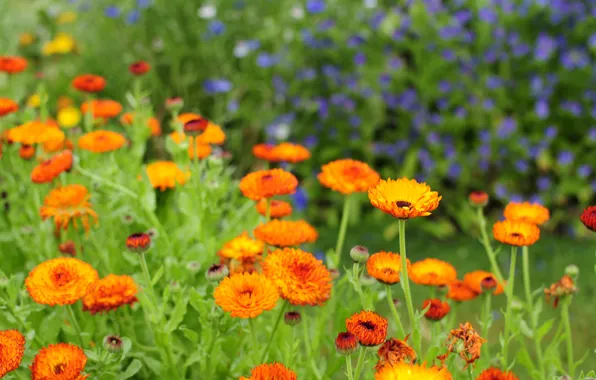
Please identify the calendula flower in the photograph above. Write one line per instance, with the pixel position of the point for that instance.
(466, 341)
(478, 198)
(395, 351)
(110, 293)
(273, 371)
(213, 134)
(588, 218)
(346, 343)
(482, 281)
(53, 146)
(369, 327)
(138, 242)
(26, 152)
(12, 348)
(457, 290)
(66, 17)
(241, 248)
(66, 204)
(268, 183)
(69, 117)
(527, 212)
(49, 169)
(8, 106)
(62, 361)
(348, 176)
(286, 233)
(101, 141)
(166, 175)
(301, 278)
(496, 374)
(277, 209)
(34, 101)
(437, 309)
(561, 289)
(404, 198)
(246, 295)
(139, 68)
(35, 132)
(405, 371)
(288, 152)
(102, 108)
(385, 267)
(516, 233)
(199, 151)
(263, 151)
(26, 39)
(89, 83)
(433, 272)
(152, 123)
(195, 127)
(12, 65)
(61, 281)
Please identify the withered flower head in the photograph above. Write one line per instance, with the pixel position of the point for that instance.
(465, 341)
(68, 248)
(395, 351)
(369, 327)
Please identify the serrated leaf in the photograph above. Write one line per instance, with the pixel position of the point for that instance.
(525, 329)
(132, 369)
(177, 315)
(544, 329)
(190, 334)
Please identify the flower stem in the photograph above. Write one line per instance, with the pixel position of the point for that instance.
(255, 342)
(470, 372)
(360, 363)
(405, 282)
(147, 278)
(106, 182)
(485, 321)
(509, 286)
(349, 370)
(568, 336)
(275, 326)
(307, 345)
(343, 226)
(358, 285)
(530, 301)
(487, 247)
(75, 323)
(400, 327)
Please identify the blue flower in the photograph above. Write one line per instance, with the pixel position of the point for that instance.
(592, 40)
(543, 183)
(493, 82)
(507, 126)
(265, 60)
(216, 27)
(501, 191)
(551, 132)
(355, 41)
(592, 134)
(300, 199)
(488, 15)
(565, 158)
(488, 104)
(542, 108)
(355, 120)
(522, 165)
(572, 107)
(315, 6)
(584, 171)
(233, 106)
(112, 11)
(143, 4)
(133, 16)
(545, 47)
(574, 59)
(217, 86)
(310, 141)
(360, 58)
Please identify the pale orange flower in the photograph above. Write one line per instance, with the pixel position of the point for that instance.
(286, 233)
(66, 204)
(348, 176)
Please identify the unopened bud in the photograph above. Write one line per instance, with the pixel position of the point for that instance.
(334, 273)
(572, 270)
(193, 266)
(217, 272)
(346, 343)
(139, 242)
(112, 343)
(359, 254)
(292, 318)
(174, 104)
(68, 248)
(367, 280)
(478, 198)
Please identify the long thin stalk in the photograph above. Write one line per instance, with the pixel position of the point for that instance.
(568, 336)
(405, 282)
(275, 326)
(343, 226)
(400, 326)
(487, 247)
(308, 347)
(75, 323)
(147, 278)
(255, 342)
(349, 370)
(360, 363)
(267, 219)
(486, 310)
(530, 306)
(508, 316)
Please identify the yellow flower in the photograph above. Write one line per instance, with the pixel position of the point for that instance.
(69, 117)
(26, 39)
(63, 43)
(66, 17)
(34, 101)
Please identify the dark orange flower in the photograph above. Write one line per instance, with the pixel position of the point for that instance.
(62, 361)
(459, 291)
(404, 198)
(395, 351)
(49, 169)
(286, 233)
(66, 204)
(527, 212)
(166, 175)
(299, 276)
(482, 281)
(246, 295)
(61, 281)
(110, 293)
(152, 123)
(138, 242)
(369, 327)
(53, 146)
(213, 134)
(139, 68)
(385, 267)
(101, 141)
(465, 341)
(195, 127)
(12, 65)
(241, 248)
(346, 343)
(89, 83)
(588, 218)
(273, 371)
(432, 272)
(102, 108)
(516, 233)
(26, 152)
(496, 374)
(35, 132)
(278, 209)
(268, 183)
(478, 198)
(12, 348)
(7, 106)
(348, 176)
(561, 289)
(263, 151)
(437, 309)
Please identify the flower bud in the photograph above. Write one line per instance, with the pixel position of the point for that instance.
(195, 127)
(292, 318)
(478, 198)
(174, 104)
(217, 272)
(488, 284)
(112, 343)
(572, 271)
(367, 280)
(193, 266)
(139, 242)
(334, 273)
(139, 68)
(68, 248)
(346, 343)
(516, 305)
(359, 254)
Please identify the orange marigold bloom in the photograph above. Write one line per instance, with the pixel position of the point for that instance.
(8, 106)
(200, 150)
(139, 68)
(496, 374)
(52, 146)
(478, 198)
(346, 343)
(527, 212)
(62, 361)
(213, 134)
(184, 118)
(246, 295)
(369, 327)
(286, 233)
(405, 371)
(152, 123)
(563, 288)
(49, 169)
(89, 83)
(299, 276)
(26, 152)
(437, 310)
(110, 293)
(385, 267)
(348, 176)
(273, 371)
(12, 65)
(101, 141)
(138, 242)
(278, 209)
(12, 348)
(61, 281)
(395, 351)
(288, 152)
(467, 337)
(432, 272)
(263, 151)
(102, 108)
(166, 175)
(459, 291)
(268, 183)
(516, 233)
(34, 132)
(241, 248)
(481, 281)
(68, 203)
(404, 198)
(588, 218)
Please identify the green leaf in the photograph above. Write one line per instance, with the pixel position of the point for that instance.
(177, 315)
(523, 357)
(132, 369)
(544, 329)
(190, 334)
(126, 346)
(195, 357)
(158, 275)
(525, 329)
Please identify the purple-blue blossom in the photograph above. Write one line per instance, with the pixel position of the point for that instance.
(315, 6)
(217, 85)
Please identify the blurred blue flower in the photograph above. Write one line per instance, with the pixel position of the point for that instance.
(310, 141)
(462, 16)
(507, 126)
(551, 132)
(425, 159)
(279, 128)
(216, 27)
(460, 112)
(592, 134)
(543, 183)
(133, 16)
(522, 166)
(243, 48)
(584, 171)
(315, 6)
(325, 25)
(433, 138)
(444, 86)
(516, 198)
(359, 58)
(307, 74)
(395, 63)
(572, 107)
(233, 105)
(112, 11)
(217, 85)
(448, 55)
(442, 104)
(300, 199)
(519, 50)
(143, 4)
(574, 59)
(488, 15)
(493, 82)
(484, 136)
(265, 60)
(355, 40)
(592, 40)
(488, 104)
(565, 158)
(542, 108)
(355, 120)
(545, 47)
(501, 191)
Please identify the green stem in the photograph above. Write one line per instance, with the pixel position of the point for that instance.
(255, 342)
(470, 372)
(307, 346)
(358, 285)
(486, 310)
(400, 326)
(530, 306)
(405, 282)
(75, 323)
(486, 243)
(275, 326)
(22, 323)
(510, 286)
(359, 363)
(568, 336)
(148, 282)
(343, 226)
(106, 182)
(349, 370)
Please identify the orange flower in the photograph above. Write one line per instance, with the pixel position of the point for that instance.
(152, 123)
(213, 134)
(26, 152)
(139, 68)
(404, 198)
(35, 132)
(12, 348)
(516, 233)
(369, 327)
(288, 152)
(459, 291)
(437, 310)
(12, 65)
(278, 209)
(101, 141)
(299, 276)
(286, 233)
(46, 171)
(348, 176)
(561, 289)
(466, 341)
(166, 175)
(395, 351)
(62, 361)
(496, 374)
(478, 198)
(246, 295)
(432, 272)
(195, 127)
(268, 183)
(241, 248)
(102, 108)
(527, 212)
(405, 371)
(481, 281)
(346, 343)
(588, 218)
(68, 203)
(52, 146)
(273, 371)
(110, 293)
(61, 281)
(200, 150)
(184, 118)
(138, 242)
(385, 267)
(7, 106)
(89, 83)
(263, 151)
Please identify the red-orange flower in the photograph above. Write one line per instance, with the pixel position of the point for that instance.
(49, 169)
(138, 242)
(7, 106)
(89, 83)
(66, 204)
(273, 371)
(62, 361)
(286, 233)
(263, 151)
(348, 176)
(102, 108)
(369, 327)
(110, 293)
(26, 152)
(139, 68)
(278, 209)
(152, 123)
(346, 343)
(101, 141)
(437, 309)
(432, 272)
(465, 341)
(246, 295)
(588, 218)
(496, 374)
(385, 267)
(482, 281)
(12, 348)
(561, 289)
(268, 183)
(395, 351)
(459, 291)
(478, 198)
(12, 65)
